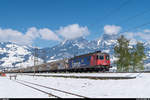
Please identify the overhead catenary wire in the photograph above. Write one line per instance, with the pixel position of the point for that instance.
(135, 16)
(136, 27)
(129, 18)
(110, 14)
(114, 11)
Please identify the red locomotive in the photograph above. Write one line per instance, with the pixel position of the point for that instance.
(2, 74)
(93, 61)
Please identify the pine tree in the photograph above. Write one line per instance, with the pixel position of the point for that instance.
(122, 53)
(134, 58)
(141, 55)
(129, 56)
(137, 57)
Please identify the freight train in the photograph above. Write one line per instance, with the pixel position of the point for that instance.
(96, 61)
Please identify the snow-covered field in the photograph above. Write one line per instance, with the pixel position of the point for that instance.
(11, 89)
(126, 88)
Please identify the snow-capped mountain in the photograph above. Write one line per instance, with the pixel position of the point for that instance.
(13, 55)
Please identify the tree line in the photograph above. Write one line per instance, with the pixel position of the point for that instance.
(129, 59)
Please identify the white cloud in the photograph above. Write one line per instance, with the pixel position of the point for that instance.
(138, 35)
(111, 29)
(143, 35)
(129, 35)
(47, 34)
(28, 37)
(147, 30)
(32, 33)
(73, 31)
(11, 35)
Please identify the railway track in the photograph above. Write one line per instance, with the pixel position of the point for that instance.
(45, 89)
(90, 77)
(49, 94)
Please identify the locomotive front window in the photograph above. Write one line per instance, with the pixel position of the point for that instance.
(82, 60)
(97, 57)
(107, 57)
(101, 57)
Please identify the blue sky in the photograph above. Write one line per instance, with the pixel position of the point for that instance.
(28, 21)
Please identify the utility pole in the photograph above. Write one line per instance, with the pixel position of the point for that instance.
(44, 56)
(35, 58)
(21, 67)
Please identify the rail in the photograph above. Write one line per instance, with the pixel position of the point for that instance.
(50, 94)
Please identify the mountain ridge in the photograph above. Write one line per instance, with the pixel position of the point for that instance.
(13, 55)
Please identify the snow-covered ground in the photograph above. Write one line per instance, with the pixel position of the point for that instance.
(126, 88)
(11, 89)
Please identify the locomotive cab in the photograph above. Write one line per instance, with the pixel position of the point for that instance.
(103, 60)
